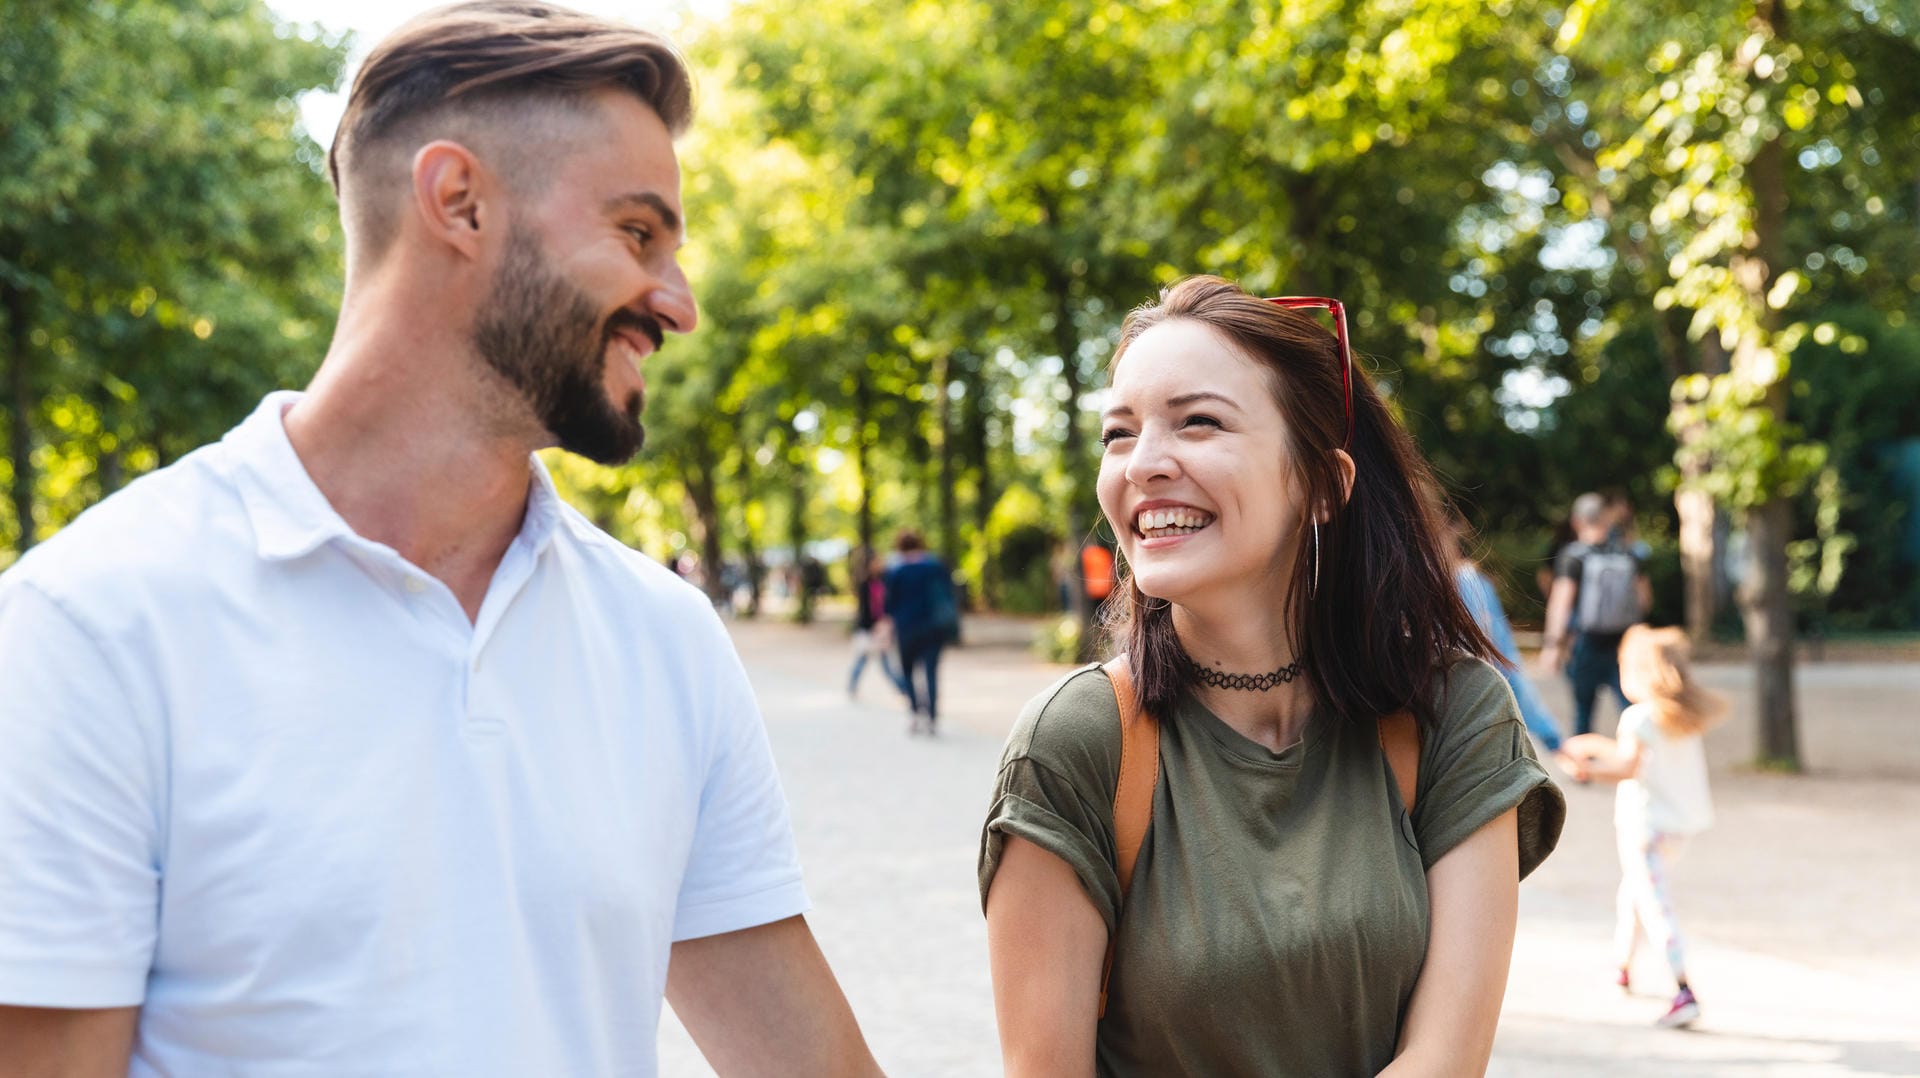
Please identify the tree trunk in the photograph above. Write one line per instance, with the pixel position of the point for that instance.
(21, 406)
(1702, 525)
(979, 458)
(706, 514)
(862, 418)
(943, 420)
(797, 537)
(1067, 341)
(1767, 602)
(1768, 611)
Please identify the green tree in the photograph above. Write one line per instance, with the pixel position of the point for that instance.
(1716, 123)
(167, 248)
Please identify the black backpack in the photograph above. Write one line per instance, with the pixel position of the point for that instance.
(1608, 602)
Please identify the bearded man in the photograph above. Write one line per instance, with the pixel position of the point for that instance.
(343, 747)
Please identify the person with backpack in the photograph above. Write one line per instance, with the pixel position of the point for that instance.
(1600, 590)
(1284, 832)
(926, 616)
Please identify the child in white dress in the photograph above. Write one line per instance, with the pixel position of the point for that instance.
(1663, 799)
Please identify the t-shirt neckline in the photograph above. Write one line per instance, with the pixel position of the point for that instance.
(1242, 749)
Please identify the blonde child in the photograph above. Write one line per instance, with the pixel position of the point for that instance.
(1663, 799)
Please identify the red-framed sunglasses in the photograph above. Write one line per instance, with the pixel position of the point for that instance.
(1339, 312)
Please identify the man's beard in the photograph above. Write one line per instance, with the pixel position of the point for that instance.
(542, 335)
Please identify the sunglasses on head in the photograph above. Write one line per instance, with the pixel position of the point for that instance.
(1311, 303)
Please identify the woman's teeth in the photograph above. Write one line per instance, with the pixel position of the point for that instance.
(1160, 523)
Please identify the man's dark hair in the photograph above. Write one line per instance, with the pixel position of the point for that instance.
(520, 68)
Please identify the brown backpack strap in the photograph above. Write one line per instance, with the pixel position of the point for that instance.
(1132, 795)
(1400, 740)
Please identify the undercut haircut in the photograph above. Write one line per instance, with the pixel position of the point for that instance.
(512, 79)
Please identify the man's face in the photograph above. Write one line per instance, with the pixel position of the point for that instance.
(589, 283)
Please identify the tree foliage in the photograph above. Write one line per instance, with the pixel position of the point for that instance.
(167, 250)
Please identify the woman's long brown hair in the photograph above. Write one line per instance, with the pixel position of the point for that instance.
(1386, 620)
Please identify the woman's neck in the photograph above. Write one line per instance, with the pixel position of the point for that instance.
(1252, 643)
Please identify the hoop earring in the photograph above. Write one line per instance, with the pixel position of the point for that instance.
(1313, 591)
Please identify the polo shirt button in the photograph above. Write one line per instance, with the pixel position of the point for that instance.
(415, 585)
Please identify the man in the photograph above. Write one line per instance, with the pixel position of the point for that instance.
(919, 599)
(342, 746)
(1599, 591)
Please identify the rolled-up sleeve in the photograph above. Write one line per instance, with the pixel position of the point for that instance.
(1477, 765)
(1055, 787)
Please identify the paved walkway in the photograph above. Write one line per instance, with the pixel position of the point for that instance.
(1801, 905)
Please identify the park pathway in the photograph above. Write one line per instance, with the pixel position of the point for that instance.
(1803, 906)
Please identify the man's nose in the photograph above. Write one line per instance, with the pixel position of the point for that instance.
(671, 302)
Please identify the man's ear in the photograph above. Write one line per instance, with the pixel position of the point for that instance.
(1344, 463)
(454, 196)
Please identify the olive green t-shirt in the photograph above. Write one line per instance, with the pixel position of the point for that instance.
(1278, 916)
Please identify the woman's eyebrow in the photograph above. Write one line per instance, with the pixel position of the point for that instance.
(1121, 411)
(1185, 399)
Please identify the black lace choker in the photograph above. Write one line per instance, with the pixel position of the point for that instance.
(1248, 682)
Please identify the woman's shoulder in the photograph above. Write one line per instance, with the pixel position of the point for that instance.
(1473, 695)
(1071, 727)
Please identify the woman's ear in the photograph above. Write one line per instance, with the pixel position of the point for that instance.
(1344, 463)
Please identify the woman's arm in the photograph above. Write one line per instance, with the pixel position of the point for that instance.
(1473, 894)
(1046, 942)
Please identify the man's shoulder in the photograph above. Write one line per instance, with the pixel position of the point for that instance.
(630, 576)
(165, 527)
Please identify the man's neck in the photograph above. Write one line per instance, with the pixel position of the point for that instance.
(407, 463)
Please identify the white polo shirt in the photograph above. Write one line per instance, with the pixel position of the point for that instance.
(263, 778)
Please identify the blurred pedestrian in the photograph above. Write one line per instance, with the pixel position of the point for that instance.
(873, 636)
(920, 600)
(1543, 574)
(1483, 602)
(1663, 799)
(345, 746)
(1298, 665)
(1599, 590)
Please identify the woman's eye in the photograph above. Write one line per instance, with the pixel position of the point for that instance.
(1206, 420)
(1107, 437)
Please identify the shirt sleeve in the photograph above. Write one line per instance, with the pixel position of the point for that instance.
(1566, 565)
(1476, 765)
(81, 771)
(744, 869)
(1055, 787)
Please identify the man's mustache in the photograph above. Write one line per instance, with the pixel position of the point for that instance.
(641, 322)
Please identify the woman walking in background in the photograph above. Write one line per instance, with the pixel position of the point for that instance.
(1322, 799)
(872, 629)
(1483, 602)
(1663, 799)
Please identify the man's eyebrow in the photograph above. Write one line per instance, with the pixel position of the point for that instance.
(648, 199)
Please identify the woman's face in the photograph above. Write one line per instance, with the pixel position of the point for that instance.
(1196, 477)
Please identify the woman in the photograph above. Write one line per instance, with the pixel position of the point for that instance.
(872, 629)
(1483, 602)
(1288, 589)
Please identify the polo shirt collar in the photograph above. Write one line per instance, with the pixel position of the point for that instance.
(292, 518)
